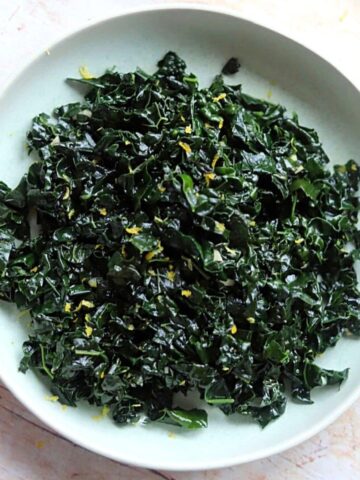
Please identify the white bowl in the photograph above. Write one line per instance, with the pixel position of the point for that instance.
(272, 65)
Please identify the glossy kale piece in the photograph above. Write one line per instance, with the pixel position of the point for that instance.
(189, 239)
(231, 66)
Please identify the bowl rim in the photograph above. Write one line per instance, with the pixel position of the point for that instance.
(164, 464)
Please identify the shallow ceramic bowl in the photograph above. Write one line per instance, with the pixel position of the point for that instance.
(272, 66)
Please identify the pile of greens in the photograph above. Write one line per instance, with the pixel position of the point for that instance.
(187, 239)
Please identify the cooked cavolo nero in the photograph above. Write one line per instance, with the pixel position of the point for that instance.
(188, 240)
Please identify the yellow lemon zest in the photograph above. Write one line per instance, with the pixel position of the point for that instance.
(188, 129)
(51, 398)
(171, 275)
(87, 304)
(233, 329)
(152, 272)
(219, 227)
(182, 118)
(354, 167)
(103, 211)
(127, 142)
(71, 214)
(215, 160)
(133, 230)
(343, 15)
(252, 223)
(102, 374)
(221, 123)
(185, 147)
(99, 246)
(67, 308)
(208, 177)
(150, 255)
(207, 125)
(251, 319)
(34, 270)
(84, 72)
(92, 283)
(88, 331)
(87, 317)
(298, 241)
(67, 193)
(105, 410)
(84, 303)
(186, 293)
(161, 188)
(131, 327)
(219, 97)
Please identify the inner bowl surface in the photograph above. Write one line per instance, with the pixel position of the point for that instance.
(272, 67)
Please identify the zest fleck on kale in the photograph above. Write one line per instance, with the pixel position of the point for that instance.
(189, 239)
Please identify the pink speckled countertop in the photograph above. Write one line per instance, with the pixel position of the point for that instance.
(28, 449)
